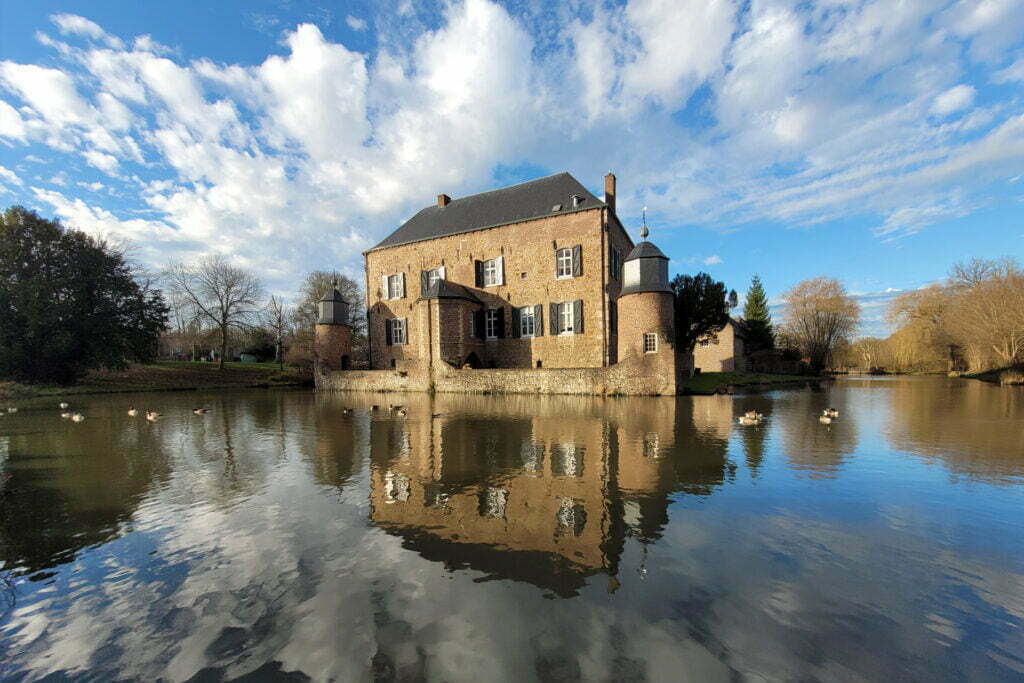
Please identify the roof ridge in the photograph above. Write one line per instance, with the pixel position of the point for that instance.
(509, 187)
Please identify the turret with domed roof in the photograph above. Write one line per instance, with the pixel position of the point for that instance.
(646, 313)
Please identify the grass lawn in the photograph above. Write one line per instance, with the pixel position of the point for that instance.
(711, 382)
(167, 376)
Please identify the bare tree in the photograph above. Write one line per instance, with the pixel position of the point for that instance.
(226, 296)
(278, 318)
(820, 317)
(314, 287)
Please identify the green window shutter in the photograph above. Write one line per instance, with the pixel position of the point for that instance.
(424, 280)
(479, 269)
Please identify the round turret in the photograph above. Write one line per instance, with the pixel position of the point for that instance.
(645, 269)
(333, 333)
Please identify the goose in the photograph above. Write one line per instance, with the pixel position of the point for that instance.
(64, 405)
(402, 411)
(754, 415)
(132, 412)
(748, 421)
(200, 411)
(346, 411)
(825, 420)
(77, 417)
(831, 412)
(65, 415)
(12, 409)
(152, 416)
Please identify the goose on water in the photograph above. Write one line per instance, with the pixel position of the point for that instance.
(152, 416)
(65, 415)
(64, 405)
(831, 412)
(132, 412)
(200, 411)
(825, 419)
(747, 421)
(77, 417)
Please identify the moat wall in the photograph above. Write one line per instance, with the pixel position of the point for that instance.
(629, 378)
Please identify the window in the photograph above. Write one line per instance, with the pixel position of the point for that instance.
(473, 334)
(563, 263)
(616, 262)
(491, 323)
(493, 503)
(394, 290)
(527, 322)
(491, 273)
(396, 331)
(433, 276)
(565, 319)
(650, 342)
(567, 460)
(705, 342)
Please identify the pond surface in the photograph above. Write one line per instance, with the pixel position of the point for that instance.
(284, 536)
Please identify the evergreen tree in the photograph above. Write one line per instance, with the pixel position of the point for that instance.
(756, 317)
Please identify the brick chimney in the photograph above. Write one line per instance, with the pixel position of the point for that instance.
(609, 191)
(443, 200)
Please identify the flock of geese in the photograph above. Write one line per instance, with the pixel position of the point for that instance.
(753, 418)
(75, 416)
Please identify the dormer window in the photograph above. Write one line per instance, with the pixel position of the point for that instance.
(577, 201)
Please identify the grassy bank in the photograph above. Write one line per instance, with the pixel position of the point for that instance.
(715, 382)
(1004, 376)
(166, 376)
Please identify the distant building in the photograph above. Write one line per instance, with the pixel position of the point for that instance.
(722, 352)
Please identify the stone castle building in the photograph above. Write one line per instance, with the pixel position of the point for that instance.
(540, 277)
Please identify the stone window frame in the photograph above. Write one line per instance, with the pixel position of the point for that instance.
(399, 331)
(563, 263)
(491, 323)
(527, 321)
(395, 286)
(492, 273)
(566, 319)
(650, 342)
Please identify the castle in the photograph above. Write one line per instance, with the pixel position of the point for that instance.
(533, 288)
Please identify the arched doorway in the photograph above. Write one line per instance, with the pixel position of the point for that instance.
(473, 361)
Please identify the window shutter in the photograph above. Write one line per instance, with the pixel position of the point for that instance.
(538, 320)
(387, 333)
(577, 261)
(384, 294)
(441, 273)
(555, 318)
(555, 253)
(500, 332)
(577, 316)
(479, 267)
(516, 323)
(424, 282)
(613, 317)
(478, 323)
(401, 283)
(405, 328)
(501, 270)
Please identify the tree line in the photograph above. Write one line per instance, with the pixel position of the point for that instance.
(973, 321)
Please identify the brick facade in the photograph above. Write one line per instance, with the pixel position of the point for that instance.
(527, 250)
(333, 345)
(723, 353)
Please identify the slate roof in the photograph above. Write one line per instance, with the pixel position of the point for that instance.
(525, 201)
(333, 295)
(442, 289)
(645, 250)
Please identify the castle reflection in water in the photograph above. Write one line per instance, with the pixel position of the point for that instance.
(541, 489)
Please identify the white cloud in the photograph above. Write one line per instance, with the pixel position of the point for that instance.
(712, 260)
(355, 23)
(72, 24)
(956, 98)
(10, 177)
(1014, 72)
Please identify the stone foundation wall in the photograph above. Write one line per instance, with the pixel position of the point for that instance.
(630, 378)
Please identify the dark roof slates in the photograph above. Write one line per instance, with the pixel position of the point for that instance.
(525, 201)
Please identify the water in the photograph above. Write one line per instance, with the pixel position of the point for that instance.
(518, 538)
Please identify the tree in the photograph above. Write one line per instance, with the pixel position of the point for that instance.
(314, 287)
(224, 295)
(69, 303)
(700, 307)
(277, 317)
(757, 319)
(820, 317)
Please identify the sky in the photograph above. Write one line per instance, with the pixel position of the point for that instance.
(877, 142)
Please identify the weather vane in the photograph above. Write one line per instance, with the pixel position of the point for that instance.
(644, 232)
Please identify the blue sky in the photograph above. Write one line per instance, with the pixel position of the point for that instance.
(877, 142)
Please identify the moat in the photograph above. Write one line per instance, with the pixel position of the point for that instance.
(290, 534)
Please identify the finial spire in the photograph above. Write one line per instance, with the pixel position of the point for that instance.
(644, 232)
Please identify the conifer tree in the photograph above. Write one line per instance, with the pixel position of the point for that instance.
(757, 318)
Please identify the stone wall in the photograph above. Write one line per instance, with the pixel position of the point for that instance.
(724, 353)
(333, 345)
(633, 377)
(528, 249)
